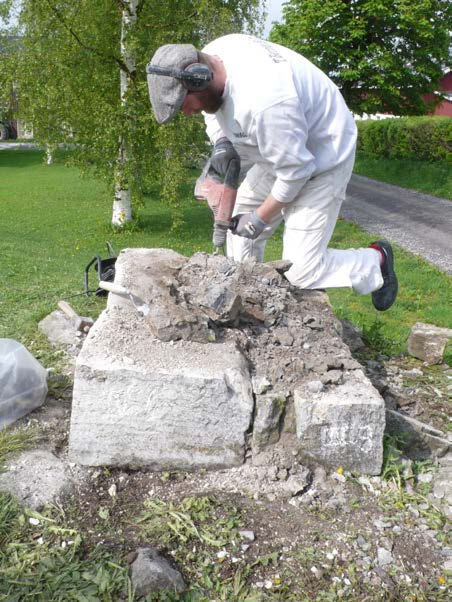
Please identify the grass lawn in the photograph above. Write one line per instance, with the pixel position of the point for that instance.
(54, 222)
(430, 178)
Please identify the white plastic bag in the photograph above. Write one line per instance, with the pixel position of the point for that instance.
(23, 382)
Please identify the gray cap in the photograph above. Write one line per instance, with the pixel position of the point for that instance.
(167, 94)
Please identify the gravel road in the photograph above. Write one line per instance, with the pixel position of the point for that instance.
(417, 222)
(18, 146)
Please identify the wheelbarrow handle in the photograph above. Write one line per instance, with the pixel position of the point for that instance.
(116, 289)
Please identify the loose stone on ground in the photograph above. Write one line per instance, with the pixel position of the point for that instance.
(428, 342)
(37, 477)
(150, 572)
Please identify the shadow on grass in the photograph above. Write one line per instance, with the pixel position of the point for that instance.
(20, 159)
(197, 220)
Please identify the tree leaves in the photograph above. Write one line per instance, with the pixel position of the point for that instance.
(67, 67)
(383, 54)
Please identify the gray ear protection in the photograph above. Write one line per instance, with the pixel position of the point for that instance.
(194, 78)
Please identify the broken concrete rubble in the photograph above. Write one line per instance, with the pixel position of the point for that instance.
(61, 330)
(170, 318)
(151, 394)
(428, 342)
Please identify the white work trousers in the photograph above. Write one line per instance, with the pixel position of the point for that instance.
(309, 221)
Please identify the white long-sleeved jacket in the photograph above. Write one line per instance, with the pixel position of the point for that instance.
(281, 112)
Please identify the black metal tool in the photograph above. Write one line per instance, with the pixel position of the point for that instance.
(105, 271)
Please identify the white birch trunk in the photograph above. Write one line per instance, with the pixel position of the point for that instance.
(49, 154)
(122, 205)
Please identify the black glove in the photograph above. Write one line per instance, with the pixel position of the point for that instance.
(223, 153)
(248, 225)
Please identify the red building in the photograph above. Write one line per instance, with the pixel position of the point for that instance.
(444, 109)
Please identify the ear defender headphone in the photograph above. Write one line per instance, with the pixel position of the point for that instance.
(194, 77)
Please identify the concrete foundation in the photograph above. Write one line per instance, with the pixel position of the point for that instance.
(241, 352)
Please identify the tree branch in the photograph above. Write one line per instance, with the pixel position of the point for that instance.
(95, 51)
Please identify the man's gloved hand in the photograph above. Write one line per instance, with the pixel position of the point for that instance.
(248, 225)
(222, 154)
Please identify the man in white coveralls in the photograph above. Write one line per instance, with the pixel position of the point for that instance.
(295, 137)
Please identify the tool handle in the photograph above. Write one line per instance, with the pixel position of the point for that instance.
(116, 289)
(67, 309)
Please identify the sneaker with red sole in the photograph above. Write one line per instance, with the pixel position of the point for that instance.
(385, 296)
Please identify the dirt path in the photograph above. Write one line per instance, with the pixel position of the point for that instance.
(18, 146)
(417, 222)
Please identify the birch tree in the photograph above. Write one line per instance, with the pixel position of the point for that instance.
(122, 204)
(81, 79)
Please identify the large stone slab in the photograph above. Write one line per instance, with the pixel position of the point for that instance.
(342, 426)
(140, 402)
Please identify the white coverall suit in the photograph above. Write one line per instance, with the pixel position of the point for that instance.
(296, 139)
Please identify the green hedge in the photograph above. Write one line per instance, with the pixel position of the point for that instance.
(422, 138)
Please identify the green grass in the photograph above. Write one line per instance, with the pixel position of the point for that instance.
(424, 296)
(430, 178)
(194, 518)
(47, 562)
(14, 441)
(54, 222)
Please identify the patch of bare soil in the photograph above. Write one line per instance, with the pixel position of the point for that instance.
(345, 535)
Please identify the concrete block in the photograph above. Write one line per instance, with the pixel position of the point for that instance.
(427, 342)
(342, 426)
(139, 402)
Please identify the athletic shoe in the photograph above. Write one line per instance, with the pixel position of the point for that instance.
(385, 296)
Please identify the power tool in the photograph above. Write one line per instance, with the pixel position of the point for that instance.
(220, 193)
